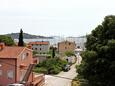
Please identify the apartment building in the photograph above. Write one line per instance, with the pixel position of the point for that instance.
(66, 46)
(40, 46)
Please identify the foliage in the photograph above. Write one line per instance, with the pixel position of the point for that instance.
(98, 65)
(35, 52)
(53, 51)
(7, 40)
(50, 66)
(69, 53)
(21, 42)
(41, 70)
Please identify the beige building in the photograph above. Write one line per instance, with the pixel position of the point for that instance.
(66, 46)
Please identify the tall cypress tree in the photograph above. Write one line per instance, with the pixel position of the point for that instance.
(53, 49)
(53, 52)
(21, 42)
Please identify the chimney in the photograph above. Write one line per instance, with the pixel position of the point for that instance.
(29, 46)
(2, 46)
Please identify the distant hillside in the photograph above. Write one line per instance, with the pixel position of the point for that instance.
(77, 37)
(81, 37)
(26, 36)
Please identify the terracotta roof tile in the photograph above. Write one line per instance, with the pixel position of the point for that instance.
(10, 52)
(42, 43)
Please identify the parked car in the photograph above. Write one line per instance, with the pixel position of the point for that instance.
(15, 85)
(66, 67)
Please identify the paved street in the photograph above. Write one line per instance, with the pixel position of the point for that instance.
(56, 81)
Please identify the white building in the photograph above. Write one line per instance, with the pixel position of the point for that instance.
(40, 46)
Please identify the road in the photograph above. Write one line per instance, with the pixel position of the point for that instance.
(57, 81)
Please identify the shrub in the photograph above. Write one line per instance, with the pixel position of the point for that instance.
(69, 53)
(52, 66)
(41, 70)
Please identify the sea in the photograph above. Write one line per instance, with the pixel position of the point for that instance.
(80, 41)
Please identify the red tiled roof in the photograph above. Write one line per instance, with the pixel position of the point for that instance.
(42, 43)
(11, 52)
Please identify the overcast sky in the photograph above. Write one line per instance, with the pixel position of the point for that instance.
(53, 17)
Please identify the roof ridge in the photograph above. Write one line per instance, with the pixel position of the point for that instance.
(11, 51)
(21, 52)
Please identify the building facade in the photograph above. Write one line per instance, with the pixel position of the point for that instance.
(41, 47)
(66, 46)
(16, 64)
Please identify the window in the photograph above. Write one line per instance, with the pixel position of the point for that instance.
(10, 74)
(35, 48)
(0, 65)
(40, 49)
(23, 56)
(0, 72)
(69, 43)
(65, 47)
(27, 54)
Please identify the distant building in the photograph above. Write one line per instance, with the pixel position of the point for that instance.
(78, 51)
(70, 59)
(41, 47)
(40, 58)
(66, 46)
(80, 41)
(16, 64)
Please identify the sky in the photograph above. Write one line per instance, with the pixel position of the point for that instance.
(53, 17)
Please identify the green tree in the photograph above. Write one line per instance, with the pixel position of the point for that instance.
(69, 53)
(21, 42)
(7, 40)
(35, 52)
(53, 51)
(98, 65)
(50, 66)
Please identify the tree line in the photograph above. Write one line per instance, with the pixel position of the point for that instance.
(98, 65)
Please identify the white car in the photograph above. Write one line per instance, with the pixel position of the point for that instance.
(15, 85)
